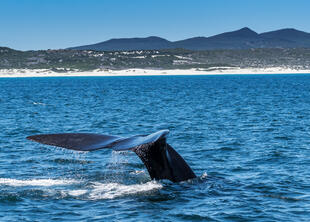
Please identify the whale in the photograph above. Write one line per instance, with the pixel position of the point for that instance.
(159, 158)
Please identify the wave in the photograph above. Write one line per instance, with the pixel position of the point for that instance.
(38, 103)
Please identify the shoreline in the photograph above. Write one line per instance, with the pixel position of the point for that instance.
(14, 73)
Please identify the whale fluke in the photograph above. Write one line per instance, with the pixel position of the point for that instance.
(160, 159)
(76, 141)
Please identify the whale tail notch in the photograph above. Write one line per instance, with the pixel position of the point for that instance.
(160, 159)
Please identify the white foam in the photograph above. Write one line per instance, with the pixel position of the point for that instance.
(94, 191)
(114, 190)
(37, 103)
(36, 182)
(77, 192)
(137, 172)
(204, 175)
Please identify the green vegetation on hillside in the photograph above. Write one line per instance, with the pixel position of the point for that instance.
(83, 60)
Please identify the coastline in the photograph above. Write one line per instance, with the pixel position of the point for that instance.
(4, 73)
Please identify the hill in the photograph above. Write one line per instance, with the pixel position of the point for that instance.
(122, 44)
(244, 38)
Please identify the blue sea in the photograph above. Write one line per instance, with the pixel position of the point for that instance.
(247, 138)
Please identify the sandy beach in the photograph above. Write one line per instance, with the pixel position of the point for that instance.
(147, 72)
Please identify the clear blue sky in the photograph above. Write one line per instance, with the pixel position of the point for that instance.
(43, 24)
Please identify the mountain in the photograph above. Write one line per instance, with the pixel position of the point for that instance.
(240, 39)
(293, 38)
(127, 44)
(244, 38)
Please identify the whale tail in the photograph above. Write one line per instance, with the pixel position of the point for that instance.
(160, 159)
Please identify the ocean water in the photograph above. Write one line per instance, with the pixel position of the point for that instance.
(247, 138)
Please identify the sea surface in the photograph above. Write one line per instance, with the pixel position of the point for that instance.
(247, 138)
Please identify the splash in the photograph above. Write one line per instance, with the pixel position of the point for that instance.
(204, 175)
(36, 182)
(115, 190)
(94, 191)
(76, 193)
(101, 191)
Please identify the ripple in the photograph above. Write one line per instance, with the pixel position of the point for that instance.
(67, 161)
(9, 198)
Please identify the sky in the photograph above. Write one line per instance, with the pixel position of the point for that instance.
(55, 24)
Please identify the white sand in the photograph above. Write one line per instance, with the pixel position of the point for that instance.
(141, 72)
